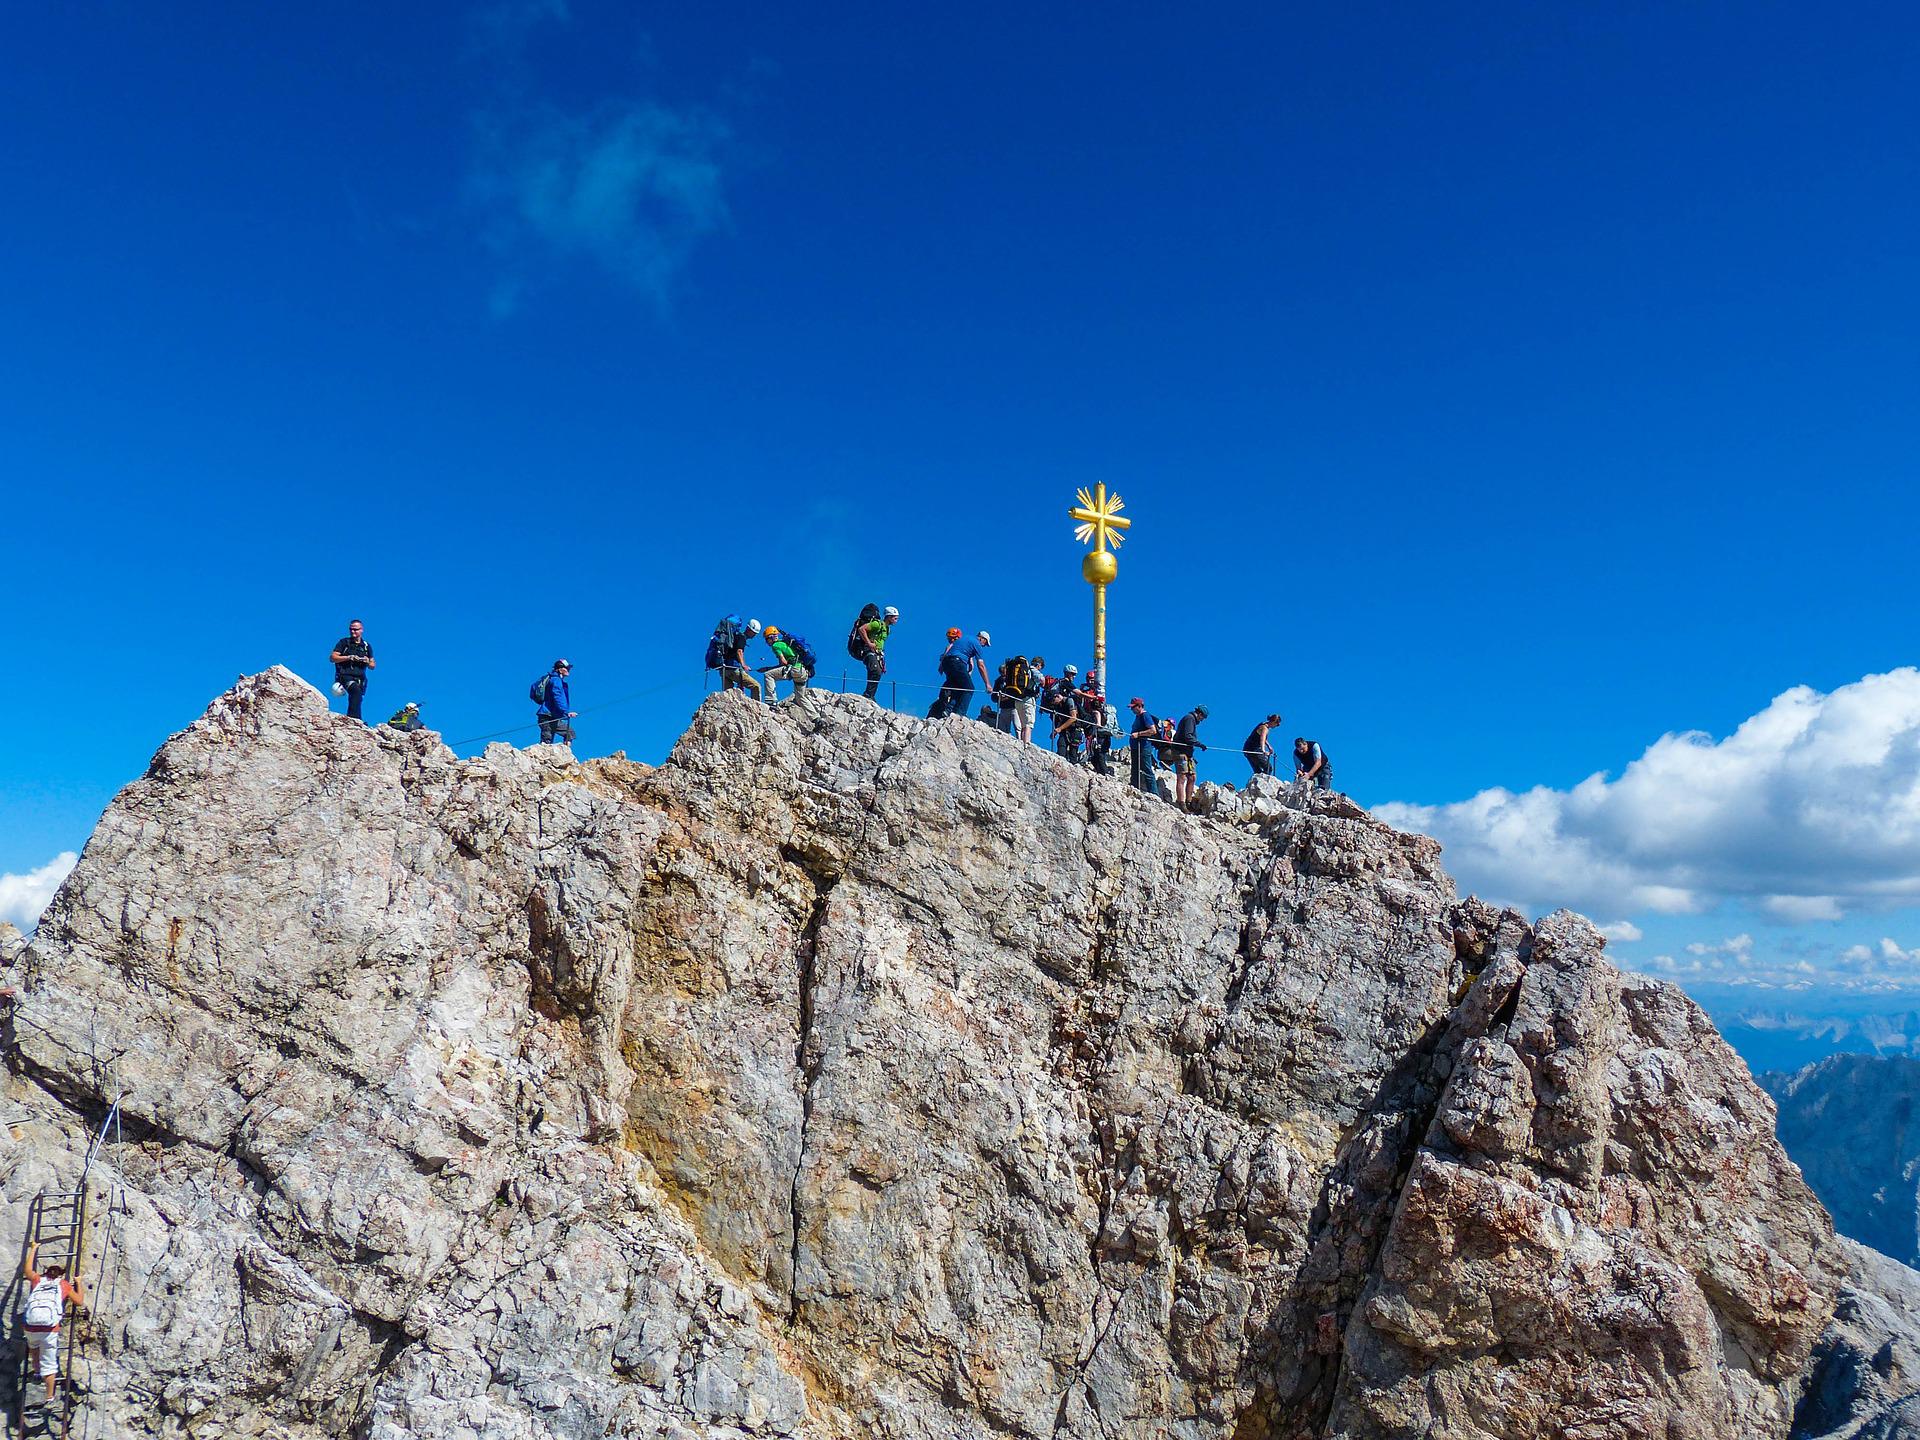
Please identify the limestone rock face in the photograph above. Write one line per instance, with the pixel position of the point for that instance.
(1864, 1382)
(852, 1075)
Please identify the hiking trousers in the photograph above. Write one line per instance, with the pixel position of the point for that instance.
(876, 664)
(554, 729)
(1140, 766)
(1262, 764)
(356, 692)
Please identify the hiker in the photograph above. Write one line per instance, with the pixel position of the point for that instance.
(867, 642)
(407, 718)
(41, 1313)
(796, 662)
(1056, 700)
(958, 662)
(1099, 719)
(1259, 747)
(352, 657)
(1020, 682)
(1028, 705)
(1186, 740)
(1006, 694)
(1140, 733)
(554, 696)
(727, 653)
(1310, 763)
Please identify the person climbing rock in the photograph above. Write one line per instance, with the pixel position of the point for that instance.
(1259, 746)
(727, 653)
(958, 663)
(1098, 717)
(555, 697)
(868, 643)
(406, 718)
(1310, 763)
(1057, 701)
(1141, 731)
(1186, 740)
(45, 1306)
(793, 657)
(352, 657)
(1006, 694)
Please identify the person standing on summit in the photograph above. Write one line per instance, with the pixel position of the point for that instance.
(958, 662)
(1186, 740)
(352, 657)
(555, 695)
(1259, 746)
(867, 643)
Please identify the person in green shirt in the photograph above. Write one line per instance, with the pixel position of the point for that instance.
(868, 643)
(790, 666)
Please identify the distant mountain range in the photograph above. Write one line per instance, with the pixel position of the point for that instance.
(1848, 1122)
(1792, 1039)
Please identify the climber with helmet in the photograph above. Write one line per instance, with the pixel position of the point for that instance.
(1310, 763)
(1186, 740)
(407, 718)
(1057, 701)
(48, 1293)
(727, 653)
(791, 654)
(867, 642)
(958, 662)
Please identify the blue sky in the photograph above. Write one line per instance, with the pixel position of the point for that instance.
(1496, 393)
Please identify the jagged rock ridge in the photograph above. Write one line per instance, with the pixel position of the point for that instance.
(849, 1075)
(1849, 1122)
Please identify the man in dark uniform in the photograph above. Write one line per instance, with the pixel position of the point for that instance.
(352, 657)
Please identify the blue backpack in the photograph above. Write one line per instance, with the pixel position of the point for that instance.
(726, 639)
(537, 692)
(804, 651)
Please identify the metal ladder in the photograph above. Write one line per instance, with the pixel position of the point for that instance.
(57, 1223)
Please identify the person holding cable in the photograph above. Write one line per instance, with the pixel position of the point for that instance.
(1186, 740)
(1259, 746)
(556, 697)
(352, 657)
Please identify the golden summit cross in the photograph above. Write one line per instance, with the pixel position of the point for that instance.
(1101, 522)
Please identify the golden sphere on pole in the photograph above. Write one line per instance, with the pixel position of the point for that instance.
(1099, 566)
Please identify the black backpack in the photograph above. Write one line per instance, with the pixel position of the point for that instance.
(1019, 677)
(859, 644)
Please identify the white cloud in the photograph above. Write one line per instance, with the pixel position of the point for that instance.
(24, 897)
(1623, 932)
(630, 188)
(1810, 810)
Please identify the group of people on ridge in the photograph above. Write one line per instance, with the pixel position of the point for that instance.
(1085, 728)
(352, 658)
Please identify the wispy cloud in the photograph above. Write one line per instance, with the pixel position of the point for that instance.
(24, 897)
(629, 185)
(1809, 811)
(1792, 964)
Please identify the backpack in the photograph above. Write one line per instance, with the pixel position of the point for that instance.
(1019, 677)
(537, 692)
(45, 1304)
(803, 650)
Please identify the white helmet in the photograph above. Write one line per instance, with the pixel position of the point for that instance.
(984, 638)
(753, 627)
(892, 612)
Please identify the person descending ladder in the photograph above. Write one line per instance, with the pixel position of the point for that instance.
(55, 1223)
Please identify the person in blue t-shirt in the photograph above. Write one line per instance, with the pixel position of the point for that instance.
(958, 662)
(1140, 734)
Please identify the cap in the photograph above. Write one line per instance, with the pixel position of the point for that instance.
(1137, 703)
(984, 638)
(753, 627)
(563, 663)
(892, 612)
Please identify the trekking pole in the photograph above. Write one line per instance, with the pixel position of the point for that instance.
(896, 693)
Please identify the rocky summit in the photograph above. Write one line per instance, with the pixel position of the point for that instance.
(854, 1075)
